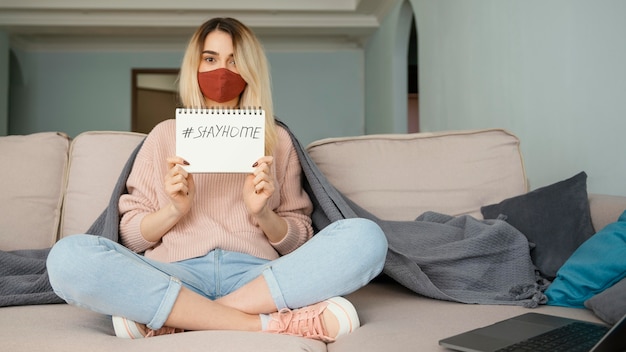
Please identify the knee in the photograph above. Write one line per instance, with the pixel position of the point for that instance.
(370, 239)
(67, 254)
(377, 241)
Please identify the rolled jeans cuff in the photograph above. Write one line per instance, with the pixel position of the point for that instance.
(274, 288)
(165, 308)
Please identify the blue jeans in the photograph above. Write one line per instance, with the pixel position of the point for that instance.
(104, 276)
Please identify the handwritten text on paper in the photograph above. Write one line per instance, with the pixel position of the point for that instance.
(223, 131)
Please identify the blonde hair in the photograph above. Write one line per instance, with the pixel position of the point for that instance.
(252, 66)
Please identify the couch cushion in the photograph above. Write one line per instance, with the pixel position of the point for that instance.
(395, 319)
(31, 191)
(96, 160)
(605, 208)
(400, 176)
(61, 328)
(610, 304)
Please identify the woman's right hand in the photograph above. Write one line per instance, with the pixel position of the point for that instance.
(179, 185)
(181, 191)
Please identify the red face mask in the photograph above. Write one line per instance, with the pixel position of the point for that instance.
(221, 85)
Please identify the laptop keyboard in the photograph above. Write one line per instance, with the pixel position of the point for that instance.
(572, 337)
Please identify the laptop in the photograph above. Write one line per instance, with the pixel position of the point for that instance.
(512, 332)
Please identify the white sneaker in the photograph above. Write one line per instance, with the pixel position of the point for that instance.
(129, 329)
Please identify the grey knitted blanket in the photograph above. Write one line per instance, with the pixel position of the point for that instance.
(23, 278)
(458, 259)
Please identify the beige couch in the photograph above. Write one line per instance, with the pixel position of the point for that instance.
(53, 187)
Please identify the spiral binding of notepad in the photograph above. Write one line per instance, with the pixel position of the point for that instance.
(221, 111)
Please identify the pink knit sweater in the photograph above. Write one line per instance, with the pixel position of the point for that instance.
(218, 217)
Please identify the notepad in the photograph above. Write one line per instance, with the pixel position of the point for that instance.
(220, 140)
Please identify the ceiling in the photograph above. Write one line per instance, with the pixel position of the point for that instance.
(66, 23)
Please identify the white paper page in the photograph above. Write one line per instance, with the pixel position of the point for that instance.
(220, 140)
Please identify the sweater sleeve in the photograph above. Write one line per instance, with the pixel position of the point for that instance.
(144, 179)
(295, 205)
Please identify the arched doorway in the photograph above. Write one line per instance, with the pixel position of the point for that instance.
(413, 100)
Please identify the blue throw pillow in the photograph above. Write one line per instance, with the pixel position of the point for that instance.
(595, 266)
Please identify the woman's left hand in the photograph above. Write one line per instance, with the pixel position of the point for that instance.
(259, 186)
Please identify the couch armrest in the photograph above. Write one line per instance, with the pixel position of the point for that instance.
(605, 209)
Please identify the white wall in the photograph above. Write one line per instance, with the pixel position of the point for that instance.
(386, 81)
(76, 91)
(318, 93)
(4, 83)
(552, 72)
